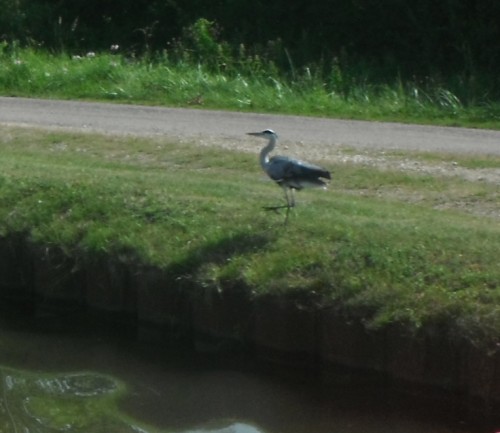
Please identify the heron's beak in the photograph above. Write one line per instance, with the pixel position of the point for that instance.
(256, 134)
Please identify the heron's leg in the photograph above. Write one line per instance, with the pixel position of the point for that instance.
(290, 202)
(284, 206)
(292, 195)
(286, 215)
(287, 197)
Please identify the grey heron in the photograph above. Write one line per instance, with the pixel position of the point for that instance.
(289, 173)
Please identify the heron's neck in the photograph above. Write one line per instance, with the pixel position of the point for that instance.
(266, 150)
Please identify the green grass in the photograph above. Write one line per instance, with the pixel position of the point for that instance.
(395, 246)
(250, 85)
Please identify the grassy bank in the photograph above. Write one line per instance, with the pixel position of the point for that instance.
(249, 83)
(393, 245)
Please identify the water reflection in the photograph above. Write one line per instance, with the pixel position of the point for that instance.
(237, 427)
(140, 385)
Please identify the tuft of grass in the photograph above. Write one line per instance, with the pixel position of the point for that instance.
(379, 243)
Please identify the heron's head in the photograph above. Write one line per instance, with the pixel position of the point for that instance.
(268, 133)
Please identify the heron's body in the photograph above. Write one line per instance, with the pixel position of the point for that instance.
(289, 173)
(295, 174)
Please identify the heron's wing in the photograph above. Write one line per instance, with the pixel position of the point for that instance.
(284, 168)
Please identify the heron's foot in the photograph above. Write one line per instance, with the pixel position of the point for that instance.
(276, 208)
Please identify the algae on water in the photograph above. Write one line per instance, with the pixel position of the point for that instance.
(74, 402)
(81, 402)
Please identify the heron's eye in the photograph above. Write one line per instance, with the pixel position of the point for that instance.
(269, 131)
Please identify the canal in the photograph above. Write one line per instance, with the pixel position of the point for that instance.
(77, 373)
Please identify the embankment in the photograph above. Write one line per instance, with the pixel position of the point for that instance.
(286, 331)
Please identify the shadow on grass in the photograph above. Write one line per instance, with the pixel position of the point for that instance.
(221, 251)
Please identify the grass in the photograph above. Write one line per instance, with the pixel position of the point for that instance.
(395, 246)
(251, 85)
